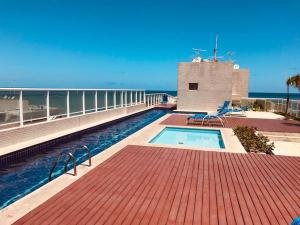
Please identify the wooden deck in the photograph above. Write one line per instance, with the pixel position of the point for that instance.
(270, 125)
(147, 185)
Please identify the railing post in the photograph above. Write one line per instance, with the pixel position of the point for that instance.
(96, 101)
(21, 109)
(136, 97)
(115, 99)
(83, 102)
(106, 100)
(68, 103)
(122, 96)
(48, 105)
(266, 105)
(140, 97)
(130, 98)
(126, 98)
(144, 97)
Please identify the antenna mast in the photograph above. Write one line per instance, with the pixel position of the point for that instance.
(216, 50)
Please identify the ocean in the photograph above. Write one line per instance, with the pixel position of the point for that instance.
(251, 94)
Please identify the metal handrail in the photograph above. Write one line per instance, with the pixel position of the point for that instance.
(89, 154)
(71, 156)
(54, 164)
(84, 147)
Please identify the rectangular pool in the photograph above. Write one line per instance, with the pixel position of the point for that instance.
(190, 137)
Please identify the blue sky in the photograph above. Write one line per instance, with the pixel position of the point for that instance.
(137, 44)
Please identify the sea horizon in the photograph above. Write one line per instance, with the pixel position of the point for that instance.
(250, 94)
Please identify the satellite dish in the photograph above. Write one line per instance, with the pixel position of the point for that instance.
(197, 59)
(236, 66)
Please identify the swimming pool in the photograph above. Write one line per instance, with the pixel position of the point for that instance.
(190, 137)
(20, 179)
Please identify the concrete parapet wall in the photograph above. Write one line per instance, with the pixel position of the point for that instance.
(21, 137)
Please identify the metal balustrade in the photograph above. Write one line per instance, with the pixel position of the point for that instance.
(21, 106)
(271, 105)
(157, 98)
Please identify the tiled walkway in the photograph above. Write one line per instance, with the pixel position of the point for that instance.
(147, 185)
(270, 125)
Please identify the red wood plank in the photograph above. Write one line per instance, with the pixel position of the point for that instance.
(147, 185)
(149, 204)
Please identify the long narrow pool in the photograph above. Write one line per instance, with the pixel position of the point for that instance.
(20, 179)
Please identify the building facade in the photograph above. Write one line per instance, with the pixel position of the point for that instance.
(203, 86)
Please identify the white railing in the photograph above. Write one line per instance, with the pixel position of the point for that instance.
(158, 98)
(272, 105)
(20, 106)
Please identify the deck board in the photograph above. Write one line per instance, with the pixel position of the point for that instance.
(267, 125)
(148, 185)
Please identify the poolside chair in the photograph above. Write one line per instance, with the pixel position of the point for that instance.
(208, 117)
(237, 112)
(221, 111)
(224, 106)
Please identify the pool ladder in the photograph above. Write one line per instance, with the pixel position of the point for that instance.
(70, 157)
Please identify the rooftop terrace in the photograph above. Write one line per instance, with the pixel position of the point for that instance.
(148, 185)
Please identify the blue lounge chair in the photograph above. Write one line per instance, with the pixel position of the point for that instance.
(239, 111)
(224, 106)
(209, 117)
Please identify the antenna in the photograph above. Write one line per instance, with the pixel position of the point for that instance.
(197, 56)
(216, 50)
(230, 55)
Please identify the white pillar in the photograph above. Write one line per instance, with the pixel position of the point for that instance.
(48, 105)
(115, 99)
(126, 98)
(122, 98)
(83, 102)
(131, 98)
(106, 100)
(96, 101)
(21, 109)
(135, 97)
(68, 103)
(140, 97)
(144, 97)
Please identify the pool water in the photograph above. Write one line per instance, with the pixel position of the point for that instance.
(22, 178)
(190, 137)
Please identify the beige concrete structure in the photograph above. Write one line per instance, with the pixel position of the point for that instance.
(203, 86)
(240, 80)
